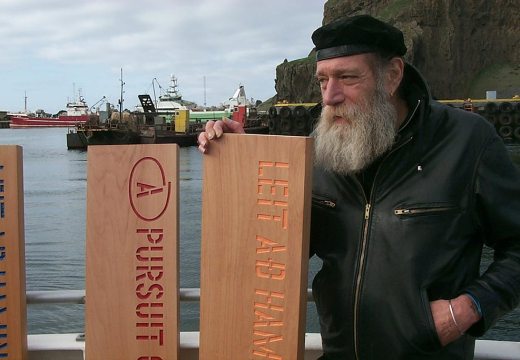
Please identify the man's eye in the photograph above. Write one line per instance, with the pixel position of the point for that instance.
(349, 79)
(321, 81)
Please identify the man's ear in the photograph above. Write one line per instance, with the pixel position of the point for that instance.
(394, 75)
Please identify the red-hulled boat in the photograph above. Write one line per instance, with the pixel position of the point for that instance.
(77, 113)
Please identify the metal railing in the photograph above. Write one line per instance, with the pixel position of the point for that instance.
(484, 349)
(78, 296)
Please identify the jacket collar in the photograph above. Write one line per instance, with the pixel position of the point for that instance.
(417, 95)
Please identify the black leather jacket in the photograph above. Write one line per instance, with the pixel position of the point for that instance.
(444, 190)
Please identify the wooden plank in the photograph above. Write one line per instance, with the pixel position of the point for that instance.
(255, 239)
(132, 281)
(13, 308)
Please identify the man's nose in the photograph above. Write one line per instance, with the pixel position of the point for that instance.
(332, 93)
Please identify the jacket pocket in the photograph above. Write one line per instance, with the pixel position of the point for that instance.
(408, 211)
(427, 339)
(323, 201)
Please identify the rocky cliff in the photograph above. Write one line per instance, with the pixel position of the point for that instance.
(462, 47)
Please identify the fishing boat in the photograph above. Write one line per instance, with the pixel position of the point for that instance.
(180, 128)
(171, 119)
(77, 112)
(171, 101)
(114, 128)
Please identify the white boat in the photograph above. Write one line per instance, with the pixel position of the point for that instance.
(171, 100)
(238, 98)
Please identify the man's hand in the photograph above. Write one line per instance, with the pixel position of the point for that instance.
(215, 129)
(464, 313)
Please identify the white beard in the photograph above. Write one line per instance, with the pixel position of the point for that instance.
(369, 132)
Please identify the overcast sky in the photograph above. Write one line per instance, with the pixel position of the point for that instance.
(52, 49)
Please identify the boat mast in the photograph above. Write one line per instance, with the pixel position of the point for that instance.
(154, 95)
(25, 102)
(121, 98)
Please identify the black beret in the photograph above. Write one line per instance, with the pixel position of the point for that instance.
(357, 35)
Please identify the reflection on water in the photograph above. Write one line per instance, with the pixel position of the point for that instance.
(55, 198)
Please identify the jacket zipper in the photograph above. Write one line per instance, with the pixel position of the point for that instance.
(422, 211)
(364, 240)
(327, 203)
(359, 276)
(323, 201)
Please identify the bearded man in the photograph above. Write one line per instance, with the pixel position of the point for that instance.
(406, 192)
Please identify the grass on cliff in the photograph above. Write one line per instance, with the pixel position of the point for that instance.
(504, 78)
(394, 8)
(310, 58)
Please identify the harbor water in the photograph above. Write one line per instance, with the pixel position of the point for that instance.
(55, 201)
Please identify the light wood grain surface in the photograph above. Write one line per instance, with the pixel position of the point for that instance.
(132, 269)
(13, 311)
(255, 238)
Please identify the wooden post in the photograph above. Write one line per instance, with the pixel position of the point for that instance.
(13, 308)
(132, 281)
(255, 247)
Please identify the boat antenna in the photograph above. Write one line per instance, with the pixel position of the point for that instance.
(153, 87)
(121, 98)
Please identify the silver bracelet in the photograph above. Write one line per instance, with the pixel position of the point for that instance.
(453, 318)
